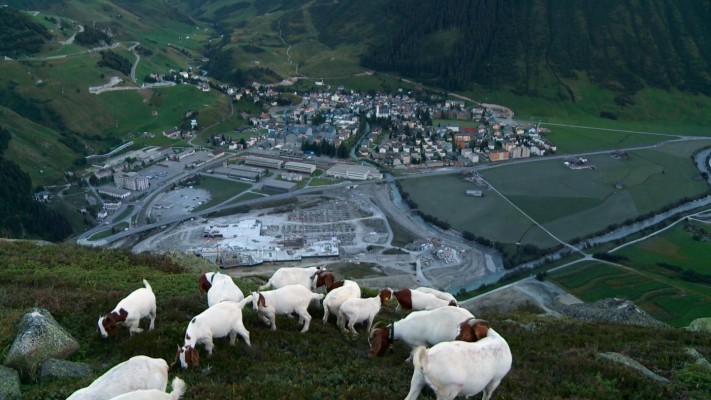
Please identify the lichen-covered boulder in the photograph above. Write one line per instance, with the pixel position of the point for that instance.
(60, 369)
(9, 383)
(40, 337)
(700, 325)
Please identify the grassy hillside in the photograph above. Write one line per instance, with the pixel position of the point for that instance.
(77, 284)
(54, 119)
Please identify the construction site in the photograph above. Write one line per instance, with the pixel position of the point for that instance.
(348, 229)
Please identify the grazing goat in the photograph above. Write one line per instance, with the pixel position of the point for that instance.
(219, 287)
(438, 294)
(155, 394)
(327, 279)
(333, 300)
(460, 368)
(218, 321)
(136, 373)
(416, 300)
(286, 300)
(419, 328)
(356, 310)
(292, 276)
(139, 304)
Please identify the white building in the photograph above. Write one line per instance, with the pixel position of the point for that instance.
(351, 171)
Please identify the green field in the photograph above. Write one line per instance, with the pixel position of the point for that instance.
(667, 299)
(569, 203)
(675, 246)
(482, 216)
(220, 190)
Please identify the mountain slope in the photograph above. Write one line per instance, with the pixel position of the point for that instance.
(529, 45)
(553, 358)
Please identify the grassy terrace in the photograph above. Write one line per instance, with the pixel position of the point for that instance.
(77, 283)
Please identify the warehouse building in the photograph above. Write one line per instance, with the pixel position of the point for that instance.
(264, 162)
(352, 171)
(299, 167)
(241, 172)
(274, 186)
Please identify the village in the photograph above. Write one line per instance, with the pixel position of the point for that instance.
(403, 130)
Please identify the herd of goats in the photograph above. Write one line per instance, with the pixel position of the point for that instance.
(466, 356)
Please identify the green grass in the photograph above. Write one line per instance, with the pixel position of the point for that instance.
(77, 283)
(569, 203)
(479, 215)
(655, 110)
(675, 246)
(220, 190)
(666, 298)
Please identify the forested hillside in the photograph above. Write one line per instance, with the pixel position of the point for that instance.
(532, 46)
(19, 35)
(20, 215)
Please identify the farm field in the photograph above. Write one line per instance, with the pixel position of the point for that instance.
(675, 246)
(482, 216)
(665, 298)
(569, 203)
(220, 190)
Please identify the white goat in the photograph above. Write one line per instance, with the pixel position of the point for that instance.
(285, 300)
(219, 287)
(438, 294)
(416, 300)
(460, 368)
(419, 328)
(333, 300)
(138, 304)
(136, 373)
(292, 276)
(220, 320)
(155, 394)
(356, 310)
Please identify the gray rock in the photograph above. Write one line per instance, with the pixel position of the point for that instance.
(624, 360)
(40, 338)
(700, 325)
(60, 369)
(616, 311)
(9, 383)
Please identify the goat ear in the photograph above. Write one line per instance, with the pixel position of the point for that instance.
(194, 357)
(481, 329)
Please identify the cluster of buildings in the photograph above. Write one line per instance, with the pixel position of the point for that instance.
(403, 134)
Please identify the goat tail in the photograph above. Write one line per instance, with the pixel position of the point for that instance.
(419, 358)
(317, 296)
(178, 389)
(265, 286)
(244, 301)
(147, 285)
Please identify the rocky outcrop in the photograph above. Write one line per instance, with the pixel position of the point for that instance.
(61, 369)
(616, 311)
(624, 360)
(40, 338)
(9, 383)
(700, 325)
